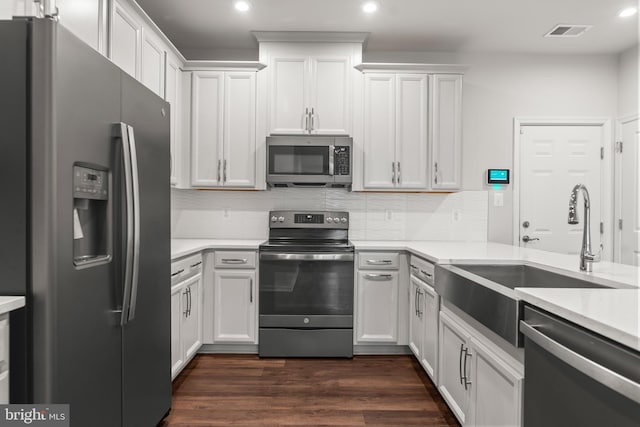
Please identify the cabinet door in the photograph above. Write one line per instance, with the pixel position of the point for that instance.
(207, 128)
(453, 339)
(126, 37)
(415, 321)
(178, 312)
(86, 19)
(446, 131)
(288, 94)
(330, 95)
(152, 63)
(234, 312)
(173, 90)
(192, 322)
(411, 131)
(430, 303)
(497, 389)
(239, 163)
(379, 131)
(377, 305)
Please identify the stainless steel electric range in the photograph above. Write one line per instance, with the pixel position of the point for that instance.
(306, 286)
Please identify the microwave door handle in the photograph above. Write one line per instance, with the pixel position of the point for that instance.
(332, 150)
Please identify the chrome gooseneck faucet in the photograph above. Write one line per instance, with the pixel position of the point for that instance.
(586, 256)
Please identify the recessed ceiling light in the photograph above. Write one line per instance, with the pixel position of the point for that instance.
(630, 11)
(242, 6)
(370, 6)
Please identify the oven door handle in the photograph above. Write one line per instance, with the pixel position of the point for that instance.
(623, 385)
(305, 257)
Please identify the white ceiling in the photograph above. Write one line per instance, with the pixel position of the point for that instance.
(403, 25)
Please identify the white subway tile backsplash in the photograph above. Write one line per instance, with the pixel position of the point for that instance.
(373, 216)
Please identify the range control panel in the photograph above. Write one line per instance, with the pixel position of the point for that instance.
(90, 183)
(342, 161)
(309, 219)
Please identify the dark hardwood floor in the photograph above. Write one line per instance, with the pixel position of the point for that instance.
(244, 390)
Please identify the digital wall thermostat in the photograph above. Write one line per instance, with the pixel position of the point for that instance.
(498, 176)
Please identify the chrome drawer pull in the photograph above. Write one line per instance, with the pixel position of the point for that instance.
(234, 261)
(378, 277)
(177, 272)
(379, 261)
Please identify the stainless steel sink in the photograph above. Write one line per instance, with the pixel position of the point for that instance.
(485, 292)
(525, 276)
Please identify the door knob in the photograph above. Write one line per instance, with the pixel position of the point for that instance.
(527, 239)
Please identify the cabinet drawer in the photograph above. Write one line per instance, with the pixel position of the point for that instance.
(379, 260)
(235, 259)
(422, 269)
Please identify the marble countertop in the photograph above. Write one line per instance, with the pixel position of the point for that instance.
(613, 313)
(9, 303)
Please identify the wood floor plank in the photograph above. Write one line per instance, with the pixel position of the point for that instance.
(244, 390)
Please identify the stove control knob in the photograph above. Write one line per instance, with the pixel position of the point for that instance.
(336, 220)
(274, 218)
(281, 219)
(329, 220)
(344, 220)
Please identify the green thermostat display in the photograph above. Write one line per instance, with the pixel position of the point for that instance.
(498, 176)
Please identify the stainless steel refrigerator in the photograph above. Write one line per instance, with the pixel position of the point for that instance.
(84, 229)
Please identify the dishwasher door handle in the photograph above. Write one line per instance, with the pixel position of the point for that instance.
(599, 373)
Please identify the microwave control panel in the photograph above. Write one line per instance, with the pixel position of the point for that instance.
(342, 161)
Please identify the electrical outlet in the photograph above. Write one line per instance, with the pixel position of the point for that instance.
(498, 199)
(388, 215)
(456, 215)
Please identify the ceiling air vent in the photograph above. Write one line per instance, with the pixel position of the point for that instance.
(568, 30)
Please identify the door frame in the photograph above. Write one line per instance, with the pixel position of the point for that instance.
(606, 181)
(617, 185)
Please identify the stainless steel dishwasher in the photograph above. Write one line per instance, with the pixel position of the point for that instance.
(574, 377)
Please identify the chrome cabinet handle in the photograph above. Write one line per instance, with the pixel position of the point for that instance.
(435, 175)
(189, 289)
(378, 277)
(398, 176)
(415, 301)
(379, 261)
(196, 264)
(234, 260)
(528, 239)
(186, 302)
(251, 290)
(429, 275)
(460, 363)
(313, 118)
(224, 171)
(393, 172)
(177, 272)
(464, 362)
(613, 380)
(219, 166)
(306, 119)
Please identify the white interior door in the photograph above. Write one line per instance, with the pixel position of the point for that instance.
(629, 233)
(552, 160)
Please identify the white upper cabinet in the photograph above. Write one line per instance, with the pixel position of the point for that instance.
(86, 19)
(126, 39)
(446, 132)
(395, 133)
(152, 63)
(412, 128)
(310, 87)
(223, 130)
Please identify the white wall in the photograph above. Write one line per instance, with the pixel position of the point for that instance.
(499, 87)
(628, 92)
(374, 216)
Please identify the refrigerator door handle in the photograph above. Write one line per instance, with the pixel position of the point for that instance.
(121, 134)
(136, 224)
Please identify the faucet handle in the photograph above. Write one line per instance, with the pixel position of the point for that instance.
(597, 257)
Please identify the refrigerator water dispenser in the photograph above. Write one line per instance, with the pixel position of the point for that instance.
(91, 221)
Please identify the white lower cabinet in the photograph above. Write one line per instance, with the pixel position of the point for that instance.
(4, 359)
(186, 322)
(480, 387)
(234, 310)
(377, 318)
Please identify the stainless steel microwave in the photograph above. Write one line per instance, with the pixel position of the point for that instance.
(309, 161)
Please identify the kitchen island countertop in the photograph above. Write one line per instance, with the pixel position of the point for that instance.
(10, 303)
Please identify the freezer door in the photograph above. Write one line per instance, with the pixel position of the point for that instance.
(147, 331)
(76, 342)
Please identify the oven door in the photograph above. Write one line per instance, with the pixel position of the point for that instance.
(306, 290)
